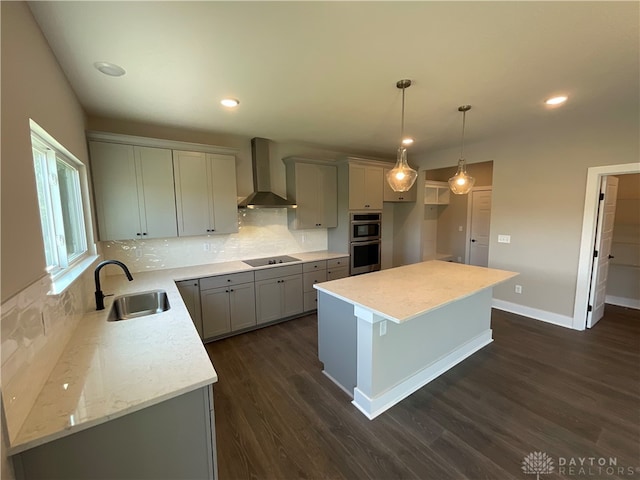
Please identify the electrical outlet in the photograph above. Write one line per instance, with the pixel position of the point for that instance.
(518, 288)
(460, 228)
(383, 328)
(504, 238)
(138, 253)
(459, 259)
(207, 247)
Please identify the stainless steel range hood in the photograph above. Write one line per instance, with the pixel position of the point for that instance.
(262, 196)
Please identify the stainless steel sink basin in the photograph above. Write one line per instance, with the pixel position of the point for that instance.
(138, 305)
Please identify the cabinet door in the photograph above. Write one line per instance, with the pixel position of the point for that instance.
(327, 196)
(373, 188)
(224, 197)
(308, 211)
(216, 313)
(156, 192)
(242, 300)
(292, 298)
(389, 195)
(192, 193)
(114, 183)
(190, 292)
(268, 300)
(357, 187)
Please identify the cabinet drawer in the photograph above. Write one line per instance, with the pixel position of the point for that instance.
(335, 273)
(338, 262)
(223, 280)
(310, 278)
(310, 301)
(275, 272)
(314, 266)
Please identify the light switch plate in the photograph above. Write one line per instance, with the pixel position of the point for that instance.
(383, 328)
(504, 238)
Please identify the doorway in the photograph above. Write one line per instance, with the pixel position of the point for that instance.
(478, 226)
(589, 223)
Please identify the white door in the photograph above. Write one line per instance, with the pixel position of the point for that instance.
(602, 249)
(479, 227)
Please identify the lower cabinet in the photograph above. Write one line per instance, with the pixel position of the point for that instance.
(190, 293)
(227, 308)
(172, 439)
(278, 293)
(337, 268)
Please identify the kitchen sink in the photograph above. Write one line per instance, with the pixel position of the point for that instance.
(138, 305)
(277, 260)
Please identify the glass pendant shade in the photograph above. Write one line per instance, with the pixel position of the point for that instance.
(401, 177)
(461, 183)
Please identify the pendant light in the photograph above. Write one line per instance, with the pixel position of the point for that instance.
(462, 182)
(402, 177)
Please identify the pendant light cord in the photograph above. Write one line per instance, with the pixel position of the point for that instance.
(464, 116)
(402, 121)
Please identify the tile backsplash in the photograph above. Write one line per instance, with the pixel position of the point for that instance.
(34, 328)
(262, 232)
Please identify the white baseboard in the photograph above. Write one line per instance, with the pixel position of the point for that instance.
(535, 313)
(623, 301)
(372, 407)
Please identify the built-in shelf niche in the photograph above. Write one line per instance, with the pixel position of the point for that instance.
(436, 193)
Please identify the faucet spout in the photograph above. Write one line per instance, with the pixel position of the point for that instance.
(99, 295)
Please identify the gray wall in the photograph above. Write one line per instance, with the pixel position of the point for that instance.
(539, 184)
(33, 86)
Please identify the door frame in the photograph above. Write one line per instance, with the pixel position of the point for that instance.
(467, 248)
(588, 238)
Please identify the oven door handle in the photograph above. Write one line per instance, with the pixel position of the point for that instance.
(366, 242)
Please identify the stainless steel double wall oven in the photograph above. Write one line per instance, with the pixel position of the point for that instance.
(365, 241)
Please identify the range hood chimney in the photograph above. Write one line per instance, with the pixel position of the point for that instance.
(262, 196)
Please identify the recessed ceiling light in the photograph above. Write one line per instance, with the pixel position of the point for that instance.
(556, 100)
(110, 69)
(230, 102)
(407, 141)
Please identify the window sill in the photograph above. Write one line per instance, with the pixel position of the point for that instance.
(65, 280)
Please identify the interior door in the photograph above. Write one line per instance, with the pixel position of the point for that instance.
(602, 249)
(479, 227)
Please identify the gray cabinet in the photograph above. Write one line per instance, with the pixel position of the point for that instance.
(390, 196)
(228, 303)
(365, 187)
(337, 268)
(190, 292)
(313, 272)
(134, 191)
(278, 293)
(172, 439)
(313, 186)
(206, 197)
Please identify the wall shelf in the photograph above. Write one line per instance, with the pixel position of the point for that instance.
(436, 193)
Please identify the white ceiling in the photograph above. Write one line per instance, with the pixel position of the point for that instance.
(325, 72)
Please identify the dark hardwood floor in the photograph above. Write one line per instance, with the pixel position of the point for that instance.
(536, 388)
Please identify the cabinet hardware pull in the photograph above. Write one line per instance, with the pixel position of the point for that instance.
(137, 234)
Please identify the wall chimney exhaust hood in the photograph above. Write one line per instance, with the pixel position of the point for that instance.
(262, 196)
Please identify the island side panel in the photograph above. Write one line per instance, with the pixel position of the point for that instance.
(337, 340)
(413, 353)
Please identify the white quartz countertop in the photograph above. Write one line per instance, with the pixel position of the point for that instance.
(110, 369)
(403, 293)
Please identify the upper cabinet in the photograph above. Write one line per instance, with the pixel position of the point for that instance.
(134, 191)
(391, 196)
(206, 195)
(313, 186)
(365, 187)
(154, 188)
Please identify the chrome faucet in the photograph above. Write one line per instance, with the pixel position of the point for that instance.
(99, 295)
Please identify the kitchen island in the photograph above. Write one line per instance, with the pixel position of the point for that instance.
(384, 335)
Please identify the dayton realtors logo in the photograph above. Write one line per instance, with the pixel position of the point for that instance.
(538, 463)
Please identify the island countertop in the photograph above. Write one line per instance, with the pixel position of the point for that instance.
(403, 293)
(110, 369)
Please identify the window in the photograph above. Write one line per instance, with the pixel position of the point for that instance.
(59, 180)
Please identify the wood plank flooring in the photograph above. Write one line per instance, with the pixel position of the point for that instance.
(536, 388)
